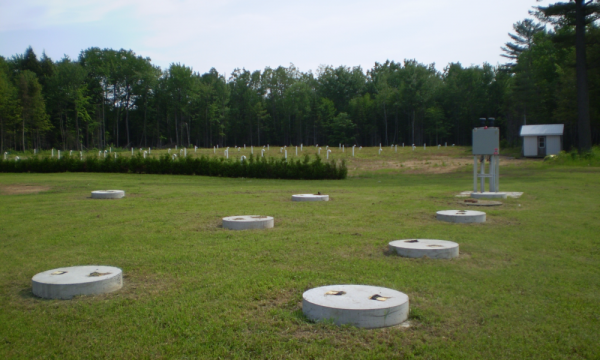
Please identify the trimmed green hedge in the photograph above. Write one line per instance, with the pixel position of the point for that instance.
(252, 167)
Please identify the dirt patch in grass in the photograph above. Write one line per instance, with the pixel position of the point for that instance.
(19, 189)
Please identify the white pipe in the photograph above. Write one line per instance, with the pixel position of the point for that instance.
(185, 152)
(81, 155)
(149, 151)
(145, 152)
(286, 154)
(52, 152)
(115, 155)
(227, 153)
(353, 150)
(380, 151)
(131, 151)
(195, 149)
(300, 147)
(262, 152)
(328, 151)
(319, 151)
(252, 150)
(58, 154)
(296, 151)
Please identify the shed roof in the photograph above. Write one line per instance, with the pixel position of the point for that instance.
(542, 130)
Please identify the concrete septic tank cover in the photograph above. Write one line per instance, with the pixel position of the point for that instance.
(461, 216)
(489, 195)
(64, 283)
(359, 305)
(418, 248)
(108, 194)
(245, 222)
(310, 197)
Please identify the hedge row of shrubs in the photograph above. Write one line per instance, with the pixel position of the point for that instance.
(252, 167)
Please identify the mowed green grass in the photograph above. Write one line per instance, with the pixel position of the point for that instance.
(527, 283)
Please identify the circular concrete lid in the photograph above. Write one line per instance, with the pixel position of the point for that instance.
(460, 213)
(108, 194)
(355, 297)
(248, 218)
(77, 275)
(310, 197)
(423, 244)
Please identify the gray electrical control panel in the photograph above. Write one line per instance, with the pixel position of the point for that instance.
(486, 141)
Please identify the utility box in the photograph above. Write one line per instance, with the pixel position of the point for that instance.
(486, 141)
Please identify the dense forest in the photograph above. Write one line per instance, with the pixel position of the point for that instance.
(117, 98)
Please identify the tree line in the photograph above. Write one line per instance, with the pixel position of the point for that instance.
(117, 98)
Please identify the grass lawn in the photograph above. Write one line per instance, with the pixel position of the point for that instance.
(526, 285)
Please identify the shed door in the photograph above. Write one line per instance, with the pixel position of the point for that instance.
(541, 146)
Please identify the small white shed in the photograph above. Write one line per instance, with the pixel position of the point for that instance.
(542, 140)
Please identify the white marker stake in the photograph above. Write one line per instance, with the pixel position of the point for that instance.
(242, 159)
(52, 152)
(214, 150)
(280, 150)
(131, 151)
(340, 146)
(414, 147)
(286, 154)
(319, 151)
(380, 151)
(34, 151)
(5, 155)
(445, 144)
(300, 147)
(145, 152)
(149, 151)
(195, 149)
(227, 153)
(343, 148)
(424, 146)
(360, 148)
(252, 150)
(105, 154)
(353, 150)
(110, 149)
(99, 153)
(244, 146)
(81, 155)
(296, 151)
(175, 147)
(169, 150)
(328, 151)
(439, 146)
(58, 154)
(70, 152)
(262, 152)
(115, 155)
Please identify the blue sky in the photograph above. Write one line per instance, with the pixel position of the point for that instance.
(233, 34)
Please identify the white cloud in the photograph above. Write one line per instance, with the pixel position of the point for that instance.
(236, 33)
